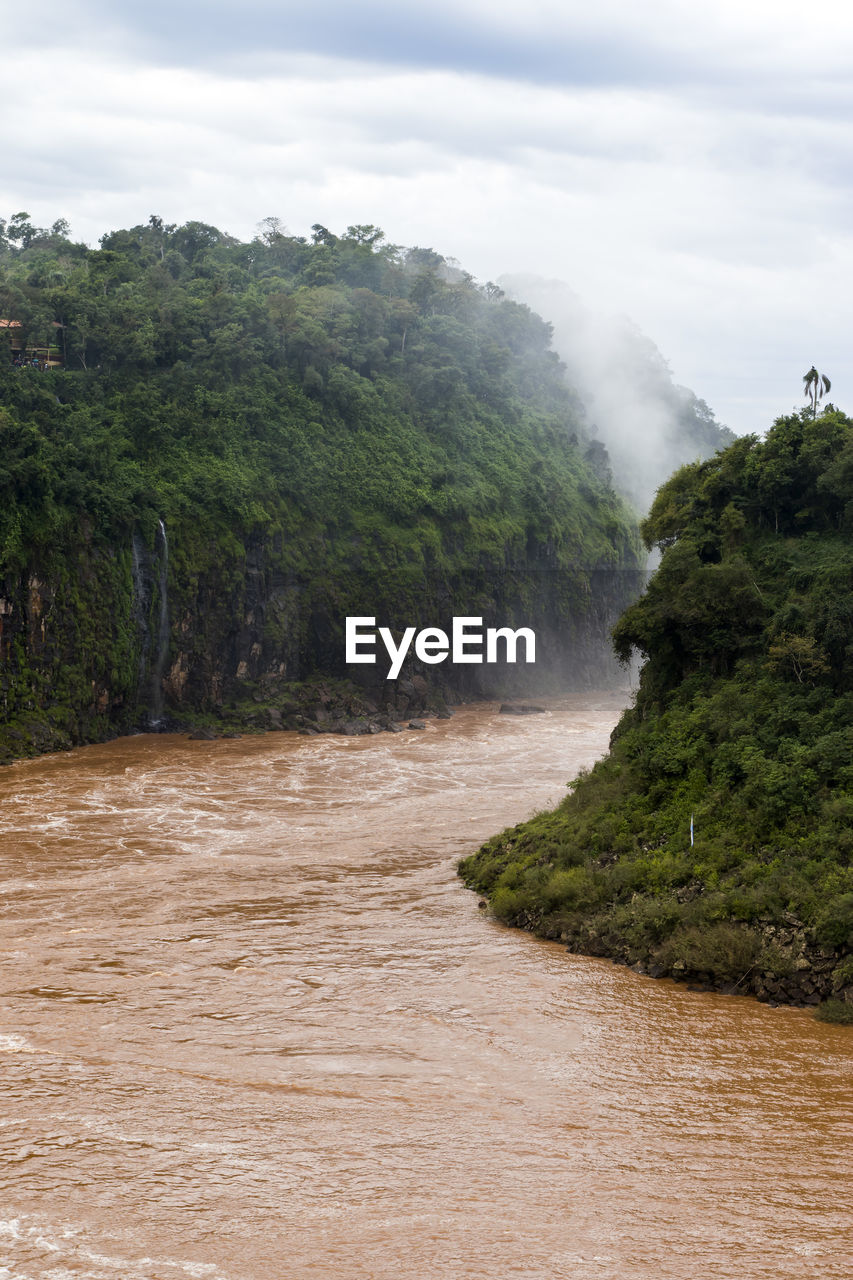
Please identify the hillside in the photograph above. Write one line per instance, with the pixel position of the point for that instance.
(215, 451)
(743, 723)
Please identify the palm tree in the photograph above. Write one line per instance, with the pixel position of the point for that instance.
(816, 387)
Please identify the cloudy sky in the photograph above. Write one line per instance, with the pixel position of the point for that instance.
(689, 166)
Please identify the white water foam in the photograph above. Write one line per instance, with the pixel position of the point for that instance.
(68, 1248)
(16, 1044)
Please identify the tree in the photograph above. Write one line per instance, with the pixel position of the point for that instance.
(816, 385)
(271, 229)
(800, 656)
(322, 235)
(365, 233)
(20, 228)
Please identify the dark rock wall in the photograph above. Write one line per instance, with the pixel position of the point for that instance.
(80, 642)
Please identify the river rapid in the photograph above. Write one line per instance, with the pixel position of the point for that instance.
(254, 1028)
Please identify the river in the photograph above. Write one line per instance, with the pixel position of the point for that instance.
(254, 1028)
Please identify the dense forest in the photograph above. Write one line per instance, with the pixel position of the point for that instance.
(213, 451)
(713, 843)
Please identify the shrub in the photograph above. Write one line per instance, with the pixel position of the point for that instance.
(510, 905)
(776, 961)
(835, 1010)
(572, 888)
(723, 950)
(834, 925)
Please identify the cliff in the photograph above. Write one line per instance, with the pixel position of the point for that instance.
(248, 442)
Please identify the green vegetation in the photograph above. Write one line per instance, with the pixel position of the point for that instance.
(326, 427)
(817, 385)
(743, 719)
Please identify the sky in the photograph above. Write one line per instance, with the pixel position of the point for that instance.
(686, 166)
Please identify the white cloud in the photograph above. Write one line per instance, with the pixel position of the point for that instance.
(696, 178)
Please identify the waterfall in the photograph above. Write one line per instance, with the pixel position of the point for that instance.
(155, 714)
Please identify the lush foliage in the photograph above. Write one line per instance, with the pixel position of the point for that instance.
(743, 721)
(340, 383)
(340, 413)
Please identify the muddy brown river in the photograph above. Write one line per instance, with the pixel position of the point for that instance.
(254, 1028)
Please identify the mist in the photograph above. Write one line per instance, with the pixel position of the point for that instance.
(648, 425)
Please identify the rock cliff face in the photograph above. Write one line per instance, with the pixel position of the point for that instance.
(278, 628)
(101, 641)
(70, 651)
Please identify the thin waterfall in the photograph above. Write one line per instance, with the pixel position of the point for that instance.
(155, 714)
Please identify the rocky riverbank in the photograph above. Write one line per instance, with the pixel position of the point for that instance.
(325, 706)
(792, 968)
(309, 707)
(775, 961)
